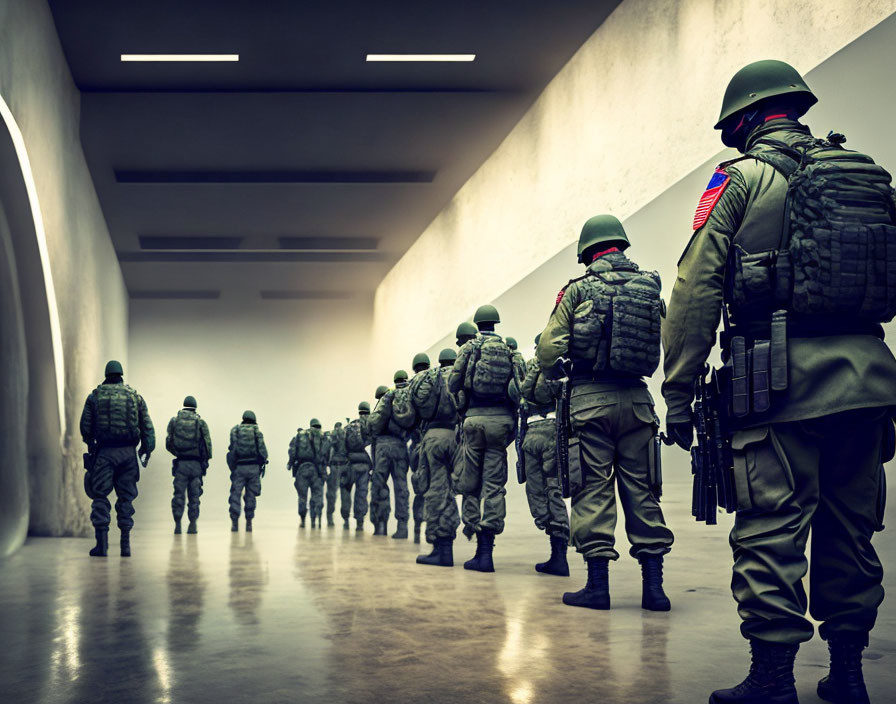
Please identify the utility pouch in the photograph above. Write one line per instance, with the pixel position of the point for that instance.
(740, 387)
(783, 278)
(778, 371)
(575, 467)
(761, 354)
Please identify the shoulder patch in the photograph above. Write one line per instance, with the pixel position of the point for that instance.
(714, 190)
(560, 296)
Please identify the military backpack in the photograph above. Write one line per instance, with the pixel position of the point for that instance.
(305, 447)
(354, 436)
(246, 442)
(490, 370)
(337, 442)
(187, 436)
(431, 398)
(617, 324)
(403, 411)
(117, 420)
(837, 251)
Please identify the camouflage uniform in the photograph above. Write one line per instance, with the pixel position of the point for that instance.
(190, 463)
(390, 459)
(310, 474)
(356, 475)
(341, 468)
(246, 461)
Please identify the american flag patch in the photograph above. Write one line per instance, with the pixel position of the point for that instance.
(710, 197)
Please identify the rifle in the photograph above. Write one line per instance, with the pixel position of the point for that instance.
(563, 434)
(712, 463)
(523, 414)
(655, 463)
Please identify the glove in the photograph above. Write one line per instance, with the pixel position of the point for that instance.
(144, 458)
(682, 434)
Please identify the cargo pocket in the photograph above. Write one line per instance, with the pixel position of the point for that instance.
(762, 476)
(575, 466)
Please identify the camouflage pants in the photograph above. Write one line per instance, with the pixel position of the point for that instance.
(615, 426)
(390, 459)
(542, 484)
(187, 481)
(309, 481)
(415, 456)
(483, 474)
(115, 468)
(244, 477)
(355, 475)
(822, 476)
(437, 453)
(333, 481)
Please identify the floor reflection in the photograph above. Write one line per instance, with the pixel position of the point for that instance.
(247, 579)
(186, 594)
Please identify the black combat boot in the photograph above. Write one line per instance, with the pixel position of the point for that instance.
(770, 680)
(845, 683)
(416, 532)
(301, 520)
(442, 554)
(653, 598)
(191, 528)
(234, 524)
(248, 525)
(482, 560)
(596, 594)
(177, 530)
(125, 542)
(102, 543)
(401, 530)
(360, 527)
(556, 563)
(345, 525)
(330, 522)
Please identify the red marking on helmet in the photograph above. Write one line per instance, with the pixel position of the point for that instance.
(606, 251)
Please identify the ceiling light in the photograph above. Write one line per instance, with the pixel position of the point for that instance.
(180, 57)
(421, 57)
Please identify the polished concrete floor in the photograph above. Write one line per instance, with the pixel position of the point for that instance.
(289, 615)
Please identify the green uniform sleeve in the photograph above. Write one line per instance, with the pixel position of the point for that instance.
(206, 438)
(527, 389)
(379, 419)
(459, 370)
(695, 306)
(147, 431)
(292, 452)
(169, 437)
(259, 443)
(554, 342)
(87, 419)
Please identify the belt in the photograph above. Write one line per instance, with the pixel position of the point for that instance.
(537, 419)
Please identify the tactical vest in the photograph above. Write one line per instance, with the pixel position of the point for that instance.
(490, 374)
(432, 400)
(354, 436)
(245, 443)
(117, 421)
(617, 322)
(187, 435)
(832, 265)
(403, 411)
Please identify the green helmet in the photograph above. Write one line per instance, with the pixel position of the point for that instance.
(761, 80)
(113, 367)
(400, 375)
(249, 416)
(537, 339)
(486, 314)
(466, 330)
(380, 392)
(602, 229)
(421, 360)
(447, 356)
(511, 343)
(190, 402)
(315, 423)
(363, 407)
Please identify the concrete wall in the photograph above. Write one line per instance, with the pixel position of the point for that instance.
(629, 116)
(81, 302)
(288, 361)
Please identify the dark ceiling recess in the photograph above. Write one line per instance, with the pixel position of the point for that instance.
(165, 295)
(306, 295)
(301, 135)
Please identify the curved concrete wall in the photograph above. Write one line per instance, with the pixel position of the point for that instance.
(80, 304)
(629, 116)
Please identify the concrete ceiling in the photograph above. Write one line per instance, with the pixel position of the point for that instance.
(301, 171)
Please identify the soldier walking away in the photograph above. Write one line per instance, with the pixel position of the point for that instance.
(537, 449)
(465, 332)
(419, 364)
(114, 421)
(793, 249)
(604, 337)
(518, 359)
(246, 458)
(437, 416)
(391, 458)
(486, 387)
(340, 467)
(331, 477)
(305, 460)
(189, 441)
(357, 476)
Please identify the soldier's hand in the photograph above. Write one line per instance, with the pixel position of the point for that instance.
(681, 433)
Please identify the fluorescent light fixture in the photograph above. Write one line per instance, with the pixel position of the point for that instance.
(180, 57)
(421, 57)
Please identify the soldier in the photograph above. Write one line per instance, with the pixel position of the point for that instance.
(306, 459)
(339, 465)
(791, 228)
(189, 441)
(331, 477)
(607, 324)
(486, 387)
(114, 421)
(539, 461)
(419, 364)
(357, 440)
(465, 332)
(390, 459)
(246, 457)
(380, 392)
(438, 417)
(518, 358)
